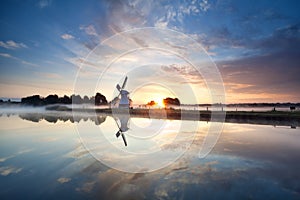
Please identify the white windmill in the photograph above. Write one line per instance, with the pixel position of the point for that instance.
(124, 102)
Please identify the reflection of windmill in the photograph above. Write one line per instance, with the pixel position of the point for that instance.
(123, 126)
(124, 102)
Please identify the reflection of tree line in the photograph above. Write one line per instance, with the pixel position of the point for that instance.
(52, 118)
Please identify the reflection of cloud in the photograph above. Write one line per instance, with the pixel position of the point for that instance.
(4, 171)
(24, 151)
(5, 158)
(48, 139)
(63, 180)
(86, 187)
(15, 154)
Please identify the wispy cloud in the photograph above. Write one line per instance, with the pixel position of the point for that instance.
(67, 36)
(204, 5)
(10, 44)
(6, 55)
(44, 3)
(90, 30)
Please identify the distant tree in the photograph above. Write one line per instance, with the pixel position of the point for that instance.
(92, 100)
(65, 100)
(34, 100)
(51, 99)
(151, 103)
(76, 99)
(86, 99)
(1, 101)
(100, 99)
(171, 101)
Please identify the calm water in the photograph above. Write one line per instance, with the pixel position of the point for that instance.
(44, 158)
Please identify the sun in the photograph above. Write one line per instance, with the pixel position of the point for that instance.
(159, 101)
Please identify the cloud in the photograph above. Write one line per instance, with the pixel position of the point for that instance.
(204, 5)
(6, 55)
(44, 3)
(63, 180)
(189, 74)
(10, 44)
(278, 62)
(67, 36)
(285, 38)
(266, 76)
(4, 171)
(90, 30)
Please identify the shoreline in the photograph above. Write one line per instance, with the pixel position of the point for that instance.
(274, 118)
(57, 112)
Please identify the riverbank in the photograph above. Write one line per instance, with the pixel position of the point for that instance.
(275, 118)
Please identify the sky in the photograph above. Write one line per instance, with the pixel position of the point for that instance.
(66, 47)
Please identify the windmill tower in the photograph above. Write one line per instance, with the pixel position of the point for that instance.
(124, 102)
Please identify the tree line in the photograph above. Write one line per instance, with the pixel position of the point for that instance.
(37, 100)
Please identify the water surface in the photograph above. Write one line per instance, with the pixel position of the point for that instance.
(45, 159)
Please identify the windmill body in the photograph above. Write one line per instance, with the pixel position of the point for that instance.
(124, 102)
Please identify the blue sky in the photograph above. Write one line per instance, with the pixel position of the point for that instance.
(255, 44)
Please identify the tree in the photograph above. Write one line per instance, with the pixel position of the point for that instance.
(34, 100)
(76, 99)
(151, 103)
(51, 99)
(171, 101)
(100, 99)
(65, 100)
(86, 99)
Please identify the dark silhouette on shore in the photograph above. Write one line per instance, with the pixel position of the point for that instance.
(37, 100)
(151, 103)
(171, 101)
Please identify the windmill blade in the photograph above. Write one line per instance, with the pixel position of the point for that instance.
(124, 139)
(124, 83)
(119, 87)
(118, 134)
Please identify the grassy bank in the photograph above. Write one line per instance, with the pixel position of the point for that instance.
(276, 118)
